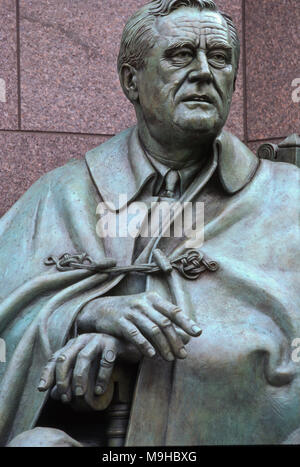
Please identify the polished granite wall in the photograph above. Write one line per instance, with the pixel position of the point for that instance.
(59, 90)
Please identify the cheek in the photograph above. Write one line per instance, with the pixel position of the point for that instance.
(171, 79)
(229, 82)
(225, 79)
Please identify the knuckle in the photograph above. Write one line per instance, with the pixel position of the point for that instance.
(153, 295)
(61, 359)
(123, 322)
(78, 379)
(49, 368)
(155, 330)
(83, 357)
(109, 343)
(143, 343)
(133, 332)
(106, 365)
(130, 314)
(138, 305)
(165, 323)
(53, 358)
(175, 311)
(101, 338)
(83, 338)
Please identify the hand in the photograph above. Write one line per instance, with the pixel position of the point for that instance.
(68, 371)
(145, 320)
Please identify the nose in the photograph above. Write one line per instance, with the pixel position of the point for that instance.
(201, 70)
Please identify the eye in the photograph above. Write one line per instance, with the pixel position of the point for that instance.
(218, 59)
(183, 54)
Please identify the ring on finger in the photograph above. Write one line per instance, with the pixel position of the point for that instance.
(109, 356)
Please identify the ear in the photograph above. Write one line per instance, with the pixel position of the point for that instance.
(128, 79)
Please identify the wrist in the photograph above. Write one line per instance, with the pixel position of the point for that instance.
(86, 319)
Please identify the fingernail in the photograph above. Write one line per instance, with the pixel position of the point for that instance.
(99, 390)
(64, 398)
(183, 353)
(62, 358)
(170, 357)
(42, 385)
(151, 352)
(196, 330)
(78, 391)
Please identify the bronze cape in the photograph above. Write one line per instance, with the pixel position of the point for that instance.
(238, 384)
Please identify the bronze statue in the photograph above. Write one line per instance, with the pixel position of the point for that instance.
(137, 304)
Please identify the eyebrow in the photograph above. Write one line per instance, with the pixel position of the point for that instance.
(181, 43)
(214, 43)
(220, 44)
(193, 44)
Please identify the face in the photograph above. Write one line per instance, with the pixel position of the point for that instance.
(187, 82)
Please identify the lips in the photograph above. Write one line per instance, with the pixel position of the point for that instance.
(198, 98)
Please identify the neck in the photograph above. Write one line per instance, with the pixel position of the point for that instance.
(174, 153)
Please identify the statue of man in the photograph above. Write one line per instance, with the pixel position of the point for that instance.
(63, 295)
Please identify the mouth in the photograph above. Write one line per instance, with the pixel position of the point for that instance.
(198, 98)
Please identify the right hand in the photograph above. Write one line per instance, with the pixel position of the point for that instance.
(146, 320)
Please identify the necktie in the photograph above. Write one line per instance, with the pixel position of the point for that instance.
(171, 180)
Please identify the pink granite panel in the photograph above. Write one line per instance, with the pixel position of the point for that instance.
(235, 122)
(273, 64)
(8, 66)
(24, 157)
(69, 53)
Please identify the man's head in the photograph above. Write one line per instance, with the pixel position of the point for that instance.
(178, 63)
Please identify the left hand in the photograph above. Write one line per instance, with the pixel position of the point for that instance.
(67, 371)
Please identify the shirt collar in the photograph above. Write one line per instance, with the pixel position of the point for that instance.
(120, 168)
(186, 174)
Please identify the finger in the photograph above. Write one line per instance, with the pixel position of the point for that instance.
(154, 334)
(55, 394)
(83, 364)
(131, 333)
(183, 335)
(172, 335)
(65, 398)
(107, 362)
(67, 395)
(176, 315)
(65, 363)
(48, 374)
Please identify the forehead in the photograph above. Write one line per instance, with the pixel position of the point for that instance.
(192, 24)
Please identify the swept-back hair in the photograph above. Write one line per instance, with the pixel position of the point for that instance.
(138, 35)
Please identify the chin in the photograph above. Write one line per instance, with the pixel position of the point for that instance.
(202, 127)
(203, 124)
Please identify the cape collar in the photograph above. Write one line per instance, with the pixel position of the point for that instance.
(120, 166)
